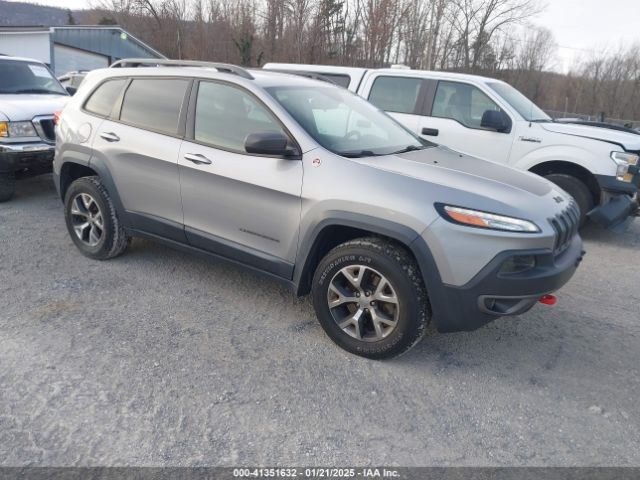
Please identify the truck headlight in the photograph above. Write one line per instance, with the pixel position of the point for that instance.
(17, 129)
(492, 221)
(623, 160)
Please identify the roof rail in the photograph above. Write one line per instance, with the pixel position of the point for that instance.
(158, 62)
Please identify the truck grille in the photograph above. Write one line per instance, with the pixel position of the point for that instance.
(45, 127)
(565, 225)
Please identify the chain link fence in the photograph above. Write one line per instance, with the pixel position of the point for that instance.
(556, 114)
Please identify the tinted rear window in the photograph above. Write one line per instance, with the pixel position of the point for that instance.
(102, 100)
(154, 104)
(338, 79)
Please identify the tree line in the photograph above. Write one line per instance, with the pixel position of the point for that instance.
(490, 37)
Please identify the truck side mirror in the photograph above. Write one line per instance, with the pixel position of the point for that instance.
(496, 120)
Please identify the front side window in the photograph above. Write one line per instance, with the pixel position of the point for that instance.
(104, 97)
(225, 115)
(343, 122)
(28, 77)
(396, 94)
(154, 104)
(462, 102)
(521, 104)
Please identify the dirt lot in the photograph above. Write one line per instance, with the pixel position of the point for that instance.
(162, 358)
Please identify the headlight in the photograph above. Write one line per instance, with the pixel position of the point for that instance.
(491, 221)
(22, 129)
(17, 129)
(623, 160)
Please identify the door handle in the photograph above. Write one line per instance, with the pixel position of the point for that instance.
(197, 158)
(110, 136)
(433, 132)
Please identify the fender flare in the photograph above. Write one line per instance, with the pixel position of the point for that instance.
(408, 237)
(107, 180)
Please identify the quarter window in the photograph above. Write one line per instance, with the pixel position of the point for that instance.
(154, 104)
(396, 94)
(462, 102)
(225, 115)
(105, 96)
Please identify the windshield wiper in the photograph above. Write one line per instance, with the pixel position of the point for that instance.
(409, 148)
(38, 90)
(360, 154)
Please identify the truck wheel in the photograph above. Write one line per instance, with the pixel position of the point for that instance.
(370, 299)
(7, 185)
(92, 221)
(577, 189)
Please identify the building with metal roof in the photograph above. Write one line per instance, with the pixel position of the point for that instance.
(74, 47)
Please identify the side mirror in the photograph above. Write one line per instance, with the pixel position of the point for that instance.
(496, 120)
(71, 90)
(268, 143)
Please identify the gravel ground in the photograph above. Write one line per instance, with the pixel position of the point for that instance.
(162, 358)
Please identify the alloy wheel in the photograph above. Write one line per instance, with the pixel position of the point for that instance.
(86, 219)
(363, 303)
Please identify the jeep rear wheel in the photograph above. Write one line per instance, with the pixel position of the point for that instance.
(92, 221)
(577, 189)
(370, 298)
(7, 185)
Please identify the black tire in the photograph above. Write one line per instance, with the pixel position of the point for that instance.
(113, 240)
(7, 186)
(577, 189)
(399, 268)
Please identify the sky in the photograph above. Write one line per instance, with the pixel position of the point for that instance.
(583, 26)
(579, 26)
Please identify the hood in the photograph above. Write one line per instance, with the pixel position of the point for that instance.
(467, 181)
(628, 141)
(447, 167)
(21, 107)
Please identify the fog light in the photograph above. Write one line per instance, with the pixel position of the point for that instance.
(518, 264)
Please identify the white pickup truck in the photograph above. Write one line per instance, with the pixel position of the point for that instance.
(29, 97)
(490, 119)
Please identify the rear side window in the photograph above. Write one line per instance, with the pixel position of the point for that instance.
(104, 97)
(154, 104)
(395, 94)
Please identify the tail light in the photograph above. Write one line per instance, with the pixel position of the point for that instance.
(56, 117)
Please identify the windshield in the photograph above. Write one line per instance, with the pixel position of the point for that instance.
(28, 77)
(344, 123)
(521, 104)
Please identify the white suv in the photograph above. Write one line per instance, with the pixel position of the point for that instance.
(29, 97)
(490, 119)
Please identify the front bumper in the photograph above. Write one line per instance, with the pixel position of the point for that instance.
(15, 157)
(620, 201)
(492, 294)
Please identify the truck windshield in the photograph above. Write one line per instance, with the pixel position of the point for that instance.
(27, 77)
(521, 104)
(344, 123)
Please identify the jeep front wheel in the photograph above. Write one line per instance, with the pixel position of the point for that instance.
(370, 299)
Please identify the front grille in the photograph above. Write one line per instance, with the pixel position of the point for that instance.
(45, 127)
(565, 225)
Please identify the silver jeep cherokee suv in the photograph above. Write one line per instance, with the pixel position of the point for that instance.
(310, 184)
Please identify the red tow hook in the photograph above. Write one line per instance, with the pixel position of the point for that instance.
(548, 299)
